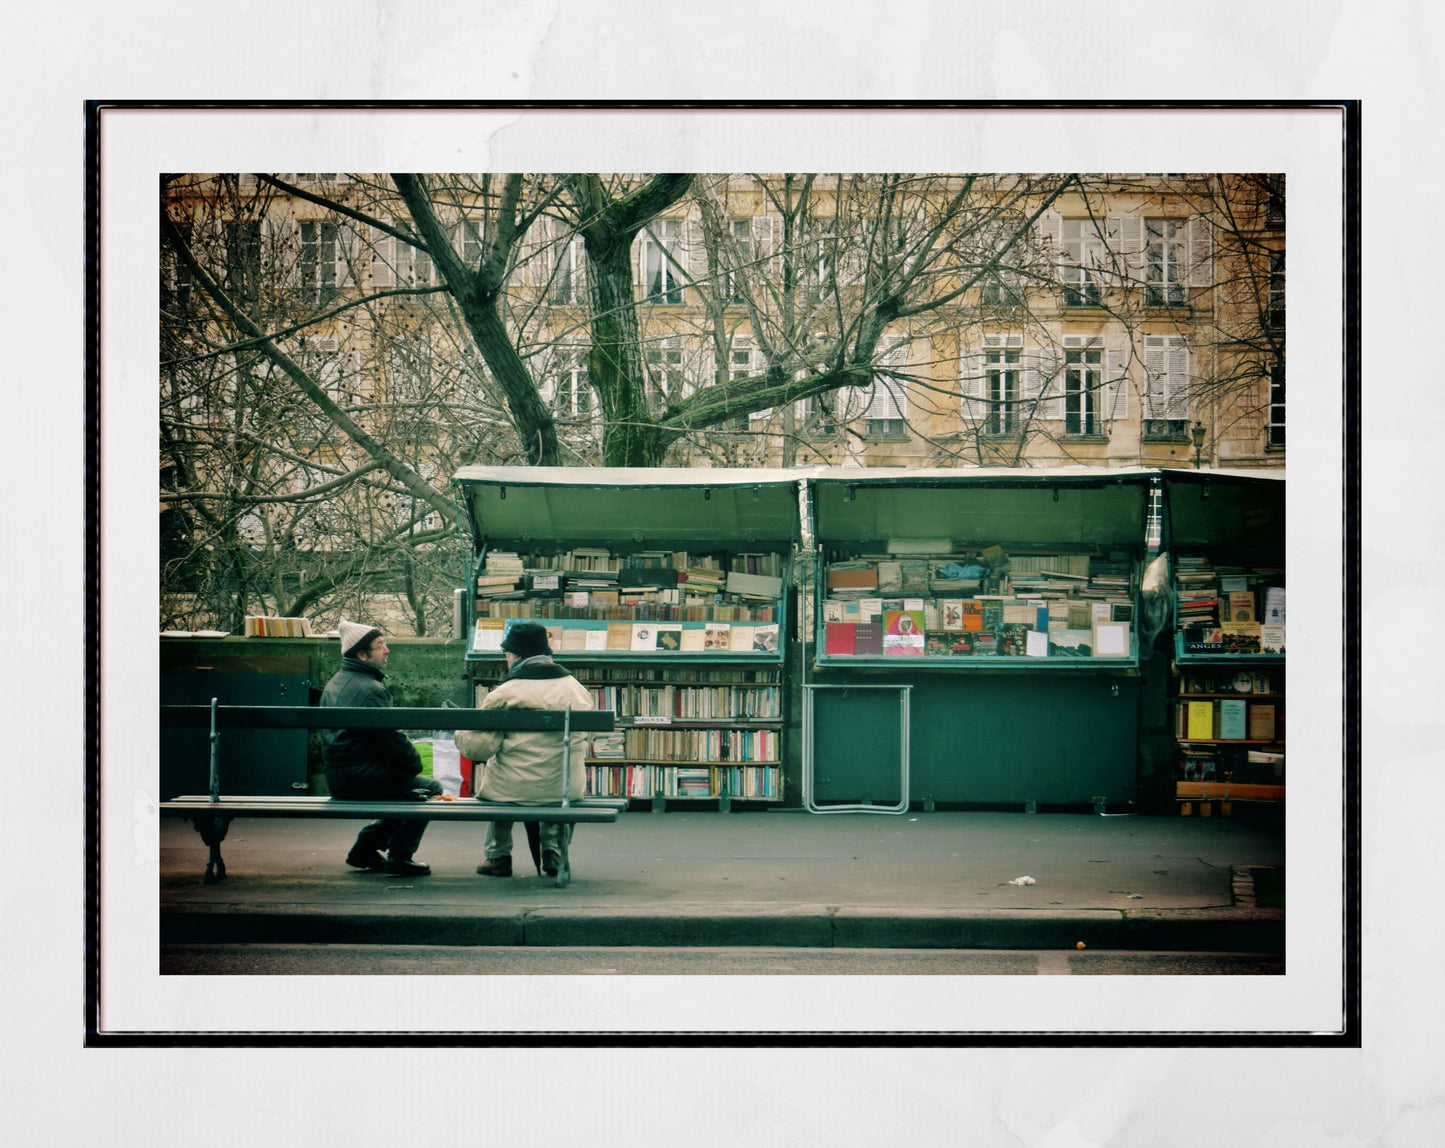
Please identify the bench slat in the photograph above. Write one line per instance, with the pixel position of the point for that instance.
(463, 809)
(375, 717)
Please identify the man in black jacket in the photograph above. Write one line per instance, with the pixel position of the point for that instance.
(373, 764)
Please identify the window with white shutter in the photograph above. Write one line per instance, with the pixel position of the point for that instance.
(1166, 249)
(1166, 389)
(1083, 384)
(887, 412)
(662, 261)
(1082, 260)
(997, 394)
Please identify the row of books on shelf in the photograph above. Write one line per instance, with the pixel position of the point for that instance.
(636, 780)
(645, 743)
(507, 574)
(1229, 719)
(1208, 595)
(689, 703)
(902, 633)
(598, 606)
(988, 571)
(263, 626)
(965, 614)
(1231, 764)
(641, 637)
(1231, 681)
(683, 675)
(602, 559)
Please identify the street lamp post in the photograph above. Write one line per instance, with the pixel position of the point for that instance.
(1197, 431)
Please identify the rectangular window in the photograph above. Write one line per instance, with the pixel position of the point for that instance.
(740, 257)
(568, 285)
(887, 413)
(1276, 406)
(666, 371)
(571, 392)
(1276, 291)
(319, 249)
(1001, 380)
(1082, 252)
(662, 261)
(469, 240)
(1274, 208)
(1166, 392)
(1083, 378)
(1166, 245)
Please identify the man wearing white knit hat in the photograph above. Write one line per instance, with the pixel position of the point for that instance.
(373, 764)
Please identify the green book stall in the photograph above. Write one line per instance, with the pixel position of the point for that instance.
(667, 594)
(1225, 534)
(1006, 603)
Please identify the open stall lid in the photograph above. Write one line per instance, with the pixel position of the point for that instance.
(1084, 506)
(611, 505)
(1236, 512)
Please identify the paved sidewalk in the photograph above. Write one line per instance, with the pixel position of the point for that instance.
(781, 877)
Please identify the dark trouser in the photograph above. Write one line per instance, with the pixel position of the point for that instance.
(398, 838)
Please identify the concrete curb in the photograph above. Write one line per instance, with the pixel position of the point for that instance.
(796, 926)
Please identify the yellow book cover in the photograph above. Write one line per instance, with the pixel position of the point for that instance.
(1201, 720)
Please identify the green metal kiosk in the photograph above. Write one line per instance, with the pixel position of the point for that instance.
(1021, 709)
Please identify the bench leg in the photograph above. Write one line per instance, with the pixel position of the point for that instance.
(213, 832)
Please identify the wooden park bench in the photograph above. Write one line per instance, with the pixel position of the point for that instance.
(212, 813)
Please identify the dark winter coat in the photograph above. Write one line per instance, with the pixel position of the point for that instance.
(365, 763)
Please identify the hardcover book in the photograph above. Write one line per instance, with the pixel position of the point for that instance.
(903, 632)
(765, 638)
(1200, 723)
(1232, 724)
(1261, 722)
(489, 633)
(838, 638)
(868, 638)
(1241, 606)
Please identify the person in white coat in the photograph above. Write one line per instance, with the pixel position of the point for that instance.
(524, 767)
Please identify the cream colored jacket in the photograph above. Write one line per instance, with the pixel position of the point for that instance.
(525, 766)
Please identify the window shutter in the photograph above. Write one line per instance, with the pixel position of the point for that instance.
(383, 248)
(1131, 243)
(1201, 252)
(1177, 401)
(281, 248)
(1046, 231)
(346, 252)
(1116, 384)
(695, 257)
(1043, 386)
(1156, 365)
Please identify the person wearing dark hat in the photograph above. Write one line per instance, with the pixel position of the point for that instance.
(373, 764)
(524, 767)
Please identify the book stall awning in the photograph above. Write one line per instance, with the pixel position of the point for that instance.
(1242, 511)
(620, 504)
(982, 506)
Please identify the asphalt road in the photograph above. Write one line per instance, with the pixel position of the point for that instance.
(402, 960)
